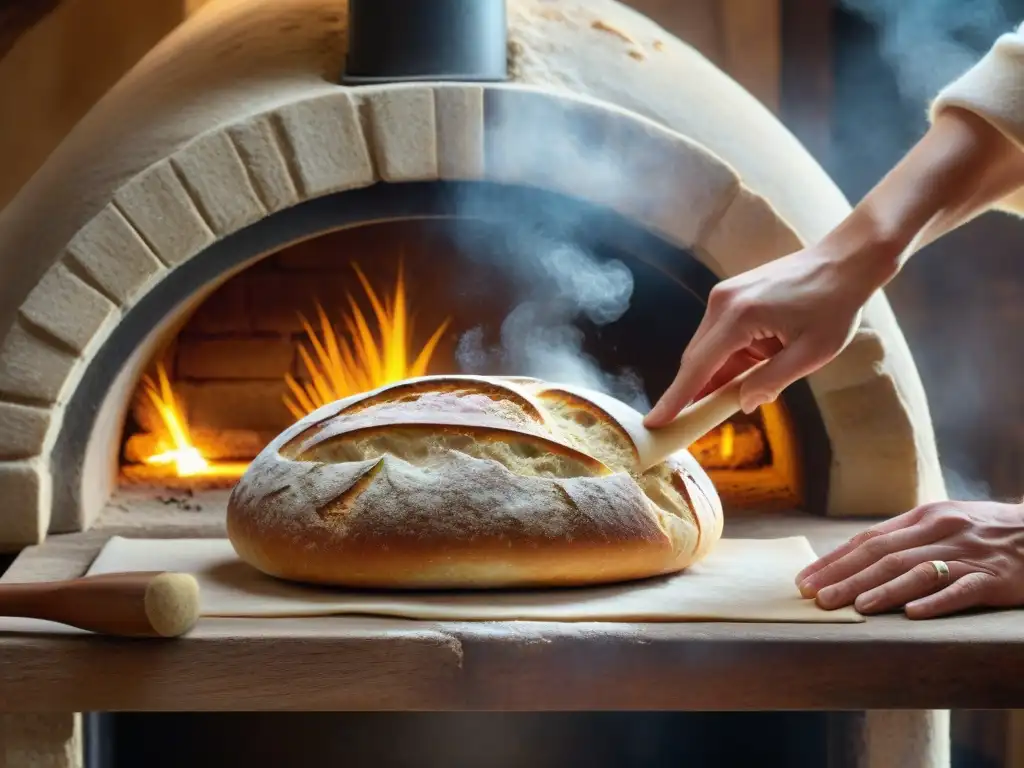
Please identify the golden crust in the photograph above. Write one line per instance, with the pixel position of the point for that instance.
(413, 388)
(332, 446)
(467, 482)
(574, 405)
(404, 396)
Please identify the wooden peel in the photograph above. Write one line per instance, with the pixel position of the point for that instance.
(143, 604)
(693, 422)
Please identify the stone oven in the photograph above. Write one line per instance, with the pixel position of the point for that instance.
(237, 232)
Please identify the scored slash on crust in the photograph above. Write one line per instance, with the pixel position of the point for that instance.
(339, 507)
(469, 482)
(400, 437)
(413, 389)
(679, 478)
(577, 405)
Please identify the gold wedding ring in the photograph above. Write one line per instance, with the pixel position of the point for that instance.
(941, 571)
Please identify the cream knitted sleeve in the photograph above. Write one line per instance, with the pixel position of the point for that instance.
(993, 89)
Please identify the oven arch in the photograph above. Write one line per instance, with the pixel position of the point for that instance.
(347, 139)
(194, 135)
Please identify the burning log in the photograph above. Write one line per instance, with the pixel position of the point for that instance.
(212, 444)
(732, 446)
(218, 476)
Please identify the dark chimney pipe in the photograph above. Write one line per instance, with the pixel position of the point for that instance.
(403, 40)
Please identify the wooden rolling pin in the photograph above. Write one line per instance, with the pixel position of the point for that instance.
(143, 604)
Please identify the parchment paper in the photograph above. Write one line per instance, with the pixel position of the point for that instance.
(741, 580)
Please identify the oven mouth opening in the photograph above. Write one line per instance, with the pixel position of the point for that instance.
(354, 290)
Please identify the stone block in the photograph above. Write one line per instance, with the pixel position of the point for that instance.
(219, 183)
(226, 310)
(459, 113)
(159, 207)
(308, 256)
(748, 234)
(275, 300)
(861, 361)
(249, 358)
(256, 406)
(327, 147)
(22, 430)
(258, 146)
(32, 369)
(111, 252)
(403, 135)
(875, 457)
(26, 490)
(65, 306)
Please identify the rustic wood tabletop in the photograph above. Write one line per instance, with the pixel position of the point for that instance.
(363, 663)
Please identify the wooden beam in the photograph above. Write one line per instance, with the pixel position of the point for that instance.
(806, 73)
(19, 16)
(751, 35)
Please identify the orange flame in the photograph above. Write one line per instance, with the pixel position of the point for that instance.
(339, 365)
(343, 364)
(728, 445)
(185, 457)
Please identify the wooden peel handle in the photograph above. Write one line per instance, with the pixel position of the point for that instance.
(695, 421)
(142, 604)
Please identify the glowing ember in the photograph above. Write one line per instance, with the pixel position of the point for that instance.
(183, 455)
(728, 444)
(342, 364)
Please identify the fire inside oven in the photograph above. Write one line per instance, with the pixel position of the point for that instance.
(354, 309)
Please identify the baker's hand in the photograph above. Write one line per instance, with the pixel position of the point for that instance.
(800, 310)
(890, 565)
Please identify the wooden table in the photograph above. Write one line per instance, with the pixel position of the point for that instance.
(350, 663)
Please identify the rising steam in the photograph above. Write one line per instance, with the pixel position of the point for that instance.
(539, 337)
(928, 43)
(559, 280)
(925, 44)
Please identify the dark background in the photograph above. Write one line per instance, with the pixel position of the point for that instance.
(960, 302)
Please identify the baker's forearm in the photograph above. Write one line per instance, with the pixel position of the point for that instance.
(1001, 177)
(959, 168)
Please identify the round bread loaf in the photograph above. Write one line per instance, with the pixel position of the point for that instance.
(467, 482)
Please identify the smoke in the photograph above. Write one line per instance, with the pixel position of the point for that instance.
(959, 396)
(890, 65)
(540, 336)
(928, 43)
(963, 488)
(885, 82)
(549, 256)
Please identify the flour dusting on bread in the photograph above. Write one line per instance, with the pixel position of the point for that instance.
(466, 482)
